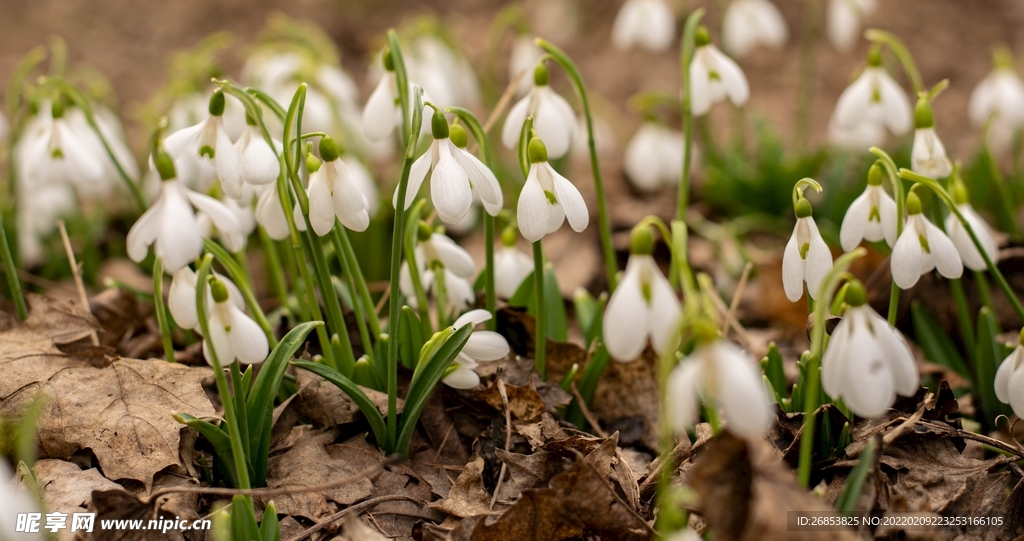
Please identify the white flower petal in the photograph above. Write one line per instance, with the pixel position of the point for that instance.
(379, 113)
(178, 241)
(486, 346)
(218, 212)
(350, 204)
(247, 339)
(483, 181)
(449, 186)
(462, 377)
(1006, 369)
(793, 269)
(259, 163)
(455, 259)
(626, 319)
(819, 260)
(665, 313)
(943, 253)
(683, 395)
(532, 211)
(740, 393)
(417, 174)
(474, 317)
(321, 206)
(513, 127)
(144, 232)
(700, 85)
(181, 299)
(907, 257)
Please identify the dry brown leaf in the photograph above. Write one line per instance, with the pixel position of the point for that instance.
(314, 461)
(746, 492)
(123, 413)
(119, 504)
(627, 391)
(524, 402)
(67, 488)
(535, 470)
(357, 530)
(468, 496)
(326, 405)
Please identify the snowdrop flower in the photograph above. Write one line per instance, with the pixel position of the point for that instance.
(649, 24)
(208, 140)
(844, 18)
(873, 98)
(57, 150)
(644, 305)
(867, 362)
(524, 56)
(749, 23)
(1001, 92)
(334, 193)
(482, 346)
(871, 216)
(1009, 384)
(456, 176)
(807, 257)
(234, 241)
(553, 117)
(921, 248)
(855, 138)
(443, 73)
(928, 156)
(720, 372)
(961, 239)
(181, 297)
(39, 208)
(233, 334)
(383, 110)
(438, 258)
(654, 157)
(270, 213)
(714, 76)
(548, 199)
(259, 162)
(17, 501)
(511, 266)
(170, 223)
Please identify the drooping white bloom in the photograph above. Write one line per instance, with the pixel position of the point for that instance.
(928, 156)
(181, 297)
(434, 252)
(259, 162)
(334, 193)
(364, 181)
(713, 77)
(649, 24)
(234, 241)
(382, 108)
(511, 267)
(548, 199)
(722, 373)
(807, 257)
(654, 157)
(233, 334)
(1002, 93)
(643, 305)
(17, 502)
(844, 19)
(962, 240)
(39, 208)
(921, 248)
(270, 214)
(856, 138)
(749, 23)
(524, 56)
(170, 223)
(55, 149)
(456, 176)
(553, 117)
(482, 346)
(1009, 382)
(208, 140)
(871, 216)
(867, 362)
(443, 73)
(873, 98)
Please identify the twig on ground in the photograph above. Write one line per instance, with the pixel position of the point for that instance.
(76, 271)
(357, 508)
(587, 414)
(508, 437)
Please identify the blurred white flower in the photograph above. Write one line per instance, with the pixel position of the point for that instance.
(928, 156)
(1009, 382)
(1002, 93)
(871, 216)
(962, 240)
(654, 157)
(39, 208)
(643, 305)
(553, 117)
(208, 140)
(524, 56)
(722, 373)
(749, 23)
(511, 267)
(270, 214)
(438, 252)
(874, 98)
(921, 248)
(443, 73)
(17, 501)
(867, 362)
(548, 199)
(807, 257)
(856, 138)
(260, 164)
(233, 334)
(844, 19)
(713, 77)
(482, 346)
(57, 149)
(649, 24)
(234, 241)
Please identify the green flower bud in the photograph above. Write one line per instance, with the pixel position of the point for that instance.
(389, 61)
(701, 37)
(875, 57)
(641, 240)
(164, 165)
(329, 149)
(218, 290)
(537, 151)
(855, 294)
(959, 192)
(704, 332)
(875, 175)
(1020, 340)
(509, 237)
(439, 125)
(249, 120)
(312, 163)
(423, 231)
(923, 115)
(803, 208)
(458, 135)
(217, 104)
(540, 75)
(913, 204)
(57, 108)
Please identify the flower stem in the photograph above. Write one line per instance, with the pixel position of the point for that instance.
(396, 252)
(161, 309)
(897, 190)
(825, 293)
(360, 281)
(902, 54)
(13, 284)
(274, 268)
(402, 82)
(992, 268)
(963, 313)
(604, 223)
(685, 57)
(540, 330)
(441, 298)
(244, 283)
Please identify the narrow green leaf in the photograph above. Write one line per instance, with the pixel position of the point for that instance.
(772, 365)
(218, 438)
(243, 519)
(423, 382)
(353, 391)
(587, 385)
(855, 482)
(935, 343)
(410, 338)
(588, 314)
(270, 529)
(557, 320)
